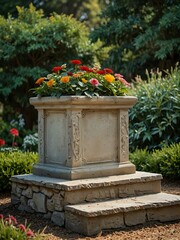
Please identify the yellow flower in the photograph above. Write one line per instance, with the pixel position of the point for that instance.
(84, 80)
(65, 79)
(109, 78)
(51, 82)
(40, 80)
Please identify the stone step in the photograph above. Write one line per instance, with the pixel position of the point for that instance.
(90, 190)
(92, 218)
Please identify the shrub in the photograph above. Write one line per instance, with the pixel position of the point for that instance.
(14, 163)
(165, 161)
(155, 119)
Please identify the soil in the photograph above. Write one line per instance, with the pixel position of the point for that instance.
(153, 231)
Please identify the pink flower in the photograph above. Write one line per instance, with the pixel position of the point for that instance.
(11, 220)
(94, 82)
(121, 79)
(22, 227)
(29, 233)
(14, 132)
(1, 216)
(2, 142)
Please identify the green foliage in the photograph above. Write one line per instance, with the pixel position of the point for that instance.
(14, 163)
(145, 34)
(31, 45)
(155, 119)
(165, 161)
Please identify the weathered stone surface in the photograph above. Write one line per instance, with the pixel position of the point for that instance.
(58, 218)
(75, 122)
(25, 208)
(28, 192)
(35, 188)
(122, 212)
(47, 192)
(135, 217)
(55, 203)
(39, 201)
(14, 199)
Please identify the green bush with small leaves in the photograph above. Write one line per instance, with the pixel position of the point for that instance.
(155, 119)
(15, 163)
(165, 161)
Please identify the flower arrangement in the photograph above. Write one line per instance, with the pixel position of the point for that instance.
(82, 80)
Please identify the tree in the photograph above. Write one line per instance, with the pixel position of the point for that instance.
(144, 34)
(31, 45)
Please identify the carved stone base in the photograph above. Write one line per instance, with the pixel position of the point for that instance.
(91, 171)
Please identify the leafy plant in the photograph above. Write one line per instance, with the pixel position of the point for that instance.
(155, 119)
(81, 80)
(31, 45)
(11, 230)
(165, 161)
(145, 35)
(14, 163)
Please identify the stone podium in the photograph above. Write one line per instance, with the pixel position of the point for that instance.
(84, 179)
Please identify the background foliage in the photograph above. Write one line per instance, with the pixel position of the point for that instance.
(155, 119)
(144, 34)
(14, 163)
(165, 161)
(31, 45)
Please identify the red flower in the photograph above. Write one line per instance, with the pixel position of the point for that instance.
(84, 68)
(22, 227)
(76, 62)
(14, 132)
(2, 143)
(1, 216)
(57, 69)
(70, 73)
(29, 233)
(108, 70)
(101, 72)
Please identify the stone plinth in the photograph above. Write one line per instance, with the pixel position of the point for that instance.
(80, 137)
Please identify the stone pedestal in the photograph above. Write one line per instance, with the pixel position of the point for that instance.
(82, 137)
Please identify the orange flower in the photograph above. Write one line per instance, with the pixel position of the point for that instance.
(65, 79)
(51, 82)
(40, 80)
(109, 78)
(84, 80)
(76, 75)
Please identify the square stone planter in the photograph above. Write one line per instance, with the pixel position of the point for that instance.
(81, 137)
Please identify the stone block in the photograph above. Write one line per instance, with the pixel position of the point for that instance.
(135, 217)
(58, 218)
(47, 192)
(55, 203)
(35, 188)
(39, 202)
(164, 214)
(28, 192)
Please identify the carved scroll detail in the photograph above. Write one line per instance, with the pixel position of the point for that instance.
(124, 139)
(74, 138)
(41, 118)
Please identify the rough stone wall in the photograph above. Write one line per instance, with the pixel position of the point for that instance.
(46, 201)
